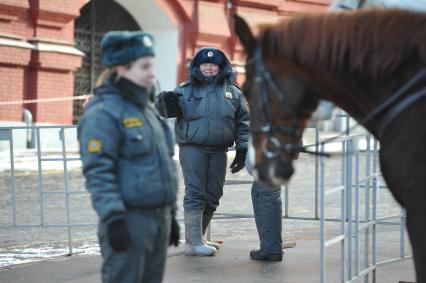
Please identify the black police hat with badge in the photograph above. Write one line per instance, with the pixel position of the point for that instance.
(209, 55)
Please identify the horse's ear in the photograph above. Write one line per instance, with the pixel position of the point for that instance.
(244, 34)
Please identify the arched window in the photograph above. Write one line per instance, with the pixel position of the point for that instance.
(97, 17)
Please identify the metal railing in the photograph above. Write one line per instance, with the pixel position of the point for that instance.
(352, 225)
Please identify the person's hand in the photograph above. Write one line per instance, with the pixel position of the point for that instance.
(174, 232)
(171, 96)
(239, 161)
(171, 103)
(119, 235)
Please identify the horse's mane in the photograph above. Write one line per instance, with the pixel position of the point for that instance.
(367, 43)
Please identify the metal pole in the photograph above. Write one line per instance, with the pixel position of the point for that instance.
(316, 167)
(367, 206)
(343, 164)
(322, 218)
(66, 187)
(342, 228)
(374, 213)
(13, 181)
(348, 126)
(357, 153)
(402, 234)
(350, 150)
(40, 177)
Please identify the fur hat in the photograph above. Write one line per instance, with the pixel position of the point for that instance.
(209, 55)
(120, 47)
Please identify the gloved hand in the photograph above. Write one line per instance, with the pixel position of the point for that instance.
(239, 161)
(119, 235)
(174, 232)
(171, 103)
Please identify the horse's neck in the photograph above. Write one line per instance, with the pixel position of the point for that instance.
(355, 98)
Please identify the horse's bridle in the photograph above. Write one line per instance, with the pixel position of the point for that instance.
(272, 147)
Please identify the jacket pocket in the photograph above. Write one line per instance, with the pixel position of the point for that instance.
(136, 143)
(141, 182)
(193, 108)
(181, 130)
(197, 131)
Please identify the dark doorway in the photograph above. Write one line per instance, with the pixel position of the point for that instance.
(97, 17)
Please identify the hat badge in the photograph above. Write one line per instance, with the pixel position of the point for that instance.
(210, 54)
(147, 41)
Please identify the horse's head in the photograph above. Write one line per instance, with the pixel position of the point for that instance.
(280, 103)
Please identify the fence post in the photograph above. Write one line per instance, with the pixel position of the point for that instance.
(322, 218)
(66, 187)
(7, 135)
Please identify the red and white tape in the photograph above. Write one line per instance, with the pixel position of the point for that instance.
(43, 100)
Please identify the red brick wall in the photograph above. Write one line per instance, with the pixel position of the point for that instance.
(15, 19)
(48, 74)
(207, 23)
(11, 88)
(13, 65)
(51, 83)
(51, 77)
(33, 74)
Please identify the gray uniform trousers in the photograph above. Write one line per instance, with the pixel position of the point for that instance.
(204, 175)
(267, 209)
(144, 261)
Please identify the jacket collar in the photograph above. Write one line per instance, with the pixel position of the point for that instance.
(127, 89)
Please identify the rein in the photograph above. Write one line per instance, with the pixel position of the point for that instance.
(272, 146)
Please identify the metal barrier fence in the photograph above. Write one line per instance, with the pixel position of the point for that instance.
(6, 135)
(352, 225)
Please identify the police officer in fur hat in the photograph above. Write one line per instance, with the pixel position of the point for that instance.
(126, 150)
(212, 115)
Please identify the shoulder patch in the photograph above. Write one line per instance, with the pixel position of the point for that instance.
(94, 146)
(185, 83)
(132, 122)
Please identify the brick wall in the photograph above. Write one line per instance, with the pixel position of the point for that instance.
(207, 23)
(11, 88)
(13, 69)
(51, 83)
(26, 74)
(33, 72)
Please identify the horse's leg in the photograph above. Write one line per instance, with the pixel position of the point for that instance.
(405, 174)
(416, 226)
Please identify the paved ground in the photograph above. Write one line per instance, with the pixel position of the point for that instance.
(300, 264)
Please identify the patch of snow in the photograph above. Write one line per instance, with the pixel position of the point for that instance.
(19, 256)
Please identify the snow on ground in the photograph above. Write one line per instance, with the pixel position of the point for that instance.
(19, 255)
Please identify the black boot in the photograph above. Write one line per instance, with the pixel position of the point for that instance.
(261, 255)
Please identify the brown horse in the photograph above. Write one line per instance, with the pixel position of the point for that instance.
(372, 64)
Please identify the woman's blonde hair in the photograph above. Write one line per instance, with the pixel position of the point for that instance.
(109, 71)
